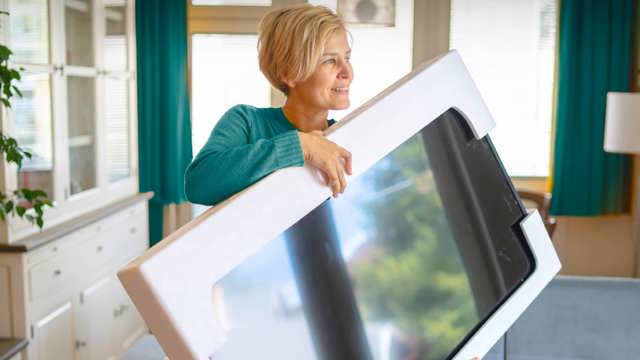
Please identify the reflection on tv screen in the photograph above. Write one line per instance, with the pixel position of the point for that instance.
(417, 252)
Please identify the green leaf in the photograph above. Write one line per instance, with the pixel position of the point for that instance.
(20, 210)
(18, 92)
(38, 192)
(4, 52)
(39, 222)
(8, 206)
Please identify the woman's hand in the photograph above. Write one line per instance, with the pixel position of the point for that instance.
(332, 160)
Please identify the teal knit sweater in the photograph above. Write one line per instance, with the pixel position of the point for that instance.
(247, 144)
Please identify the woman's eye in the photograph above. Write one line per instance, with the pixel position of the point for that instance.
(329, 61)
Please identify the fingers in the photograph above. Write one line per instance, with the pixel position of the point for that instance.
(334, 183)
(343, 181)
(331, 159)
(346, 155)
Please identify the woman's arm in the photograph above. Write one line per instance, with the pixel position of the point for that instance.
(229, 163)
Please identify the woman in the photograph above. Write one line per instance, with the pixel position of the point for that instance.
(304, 52)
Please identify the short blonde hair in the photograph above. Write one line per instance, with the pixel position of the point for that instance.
(291, 41)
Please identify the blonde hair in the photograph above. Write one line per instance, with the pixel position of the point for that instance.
(291, 41)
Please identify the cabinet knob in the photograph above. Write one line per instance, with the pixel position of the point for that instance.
(57, 272)
(133, 230)
(99, 248)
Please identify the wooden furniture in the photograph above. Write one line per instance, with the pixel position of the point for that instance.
(10, 348)
(541, 202)
(77, 116)
(59, 289)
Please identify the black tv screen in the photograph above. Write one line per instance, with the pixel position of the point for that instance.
(406, 264)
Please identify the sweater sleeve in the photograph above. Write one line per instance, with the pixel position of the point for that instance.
(229, 162)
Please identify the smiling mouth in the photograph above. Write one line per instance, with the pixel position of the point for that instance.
(340, 90)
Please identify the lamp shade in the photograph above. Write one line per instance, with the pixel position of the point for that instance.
(622, 128)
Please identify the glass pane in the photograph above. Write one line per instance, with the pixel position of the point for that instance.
(233, 2)
(32, 128)
(225, 73)
(79, 32)
(513, 68)
(115, 41)
(117, 123)
(403, 265)
(82, 148)
(29, 31)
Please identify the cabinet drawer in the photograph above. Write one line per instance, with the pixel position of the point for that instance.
(87, 251)
(61, 245)
(51, 276)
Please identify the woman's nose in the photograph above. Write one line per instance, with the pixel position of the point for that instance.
(345, 70)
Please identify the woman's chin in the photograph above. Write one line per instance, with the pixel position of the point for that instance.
(341, 105)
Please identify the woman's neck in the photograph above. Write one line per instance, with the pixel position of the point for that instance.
(304, 118)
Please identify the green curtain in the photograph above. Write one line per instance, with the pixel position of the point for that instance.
(594, 58)
(164, 128)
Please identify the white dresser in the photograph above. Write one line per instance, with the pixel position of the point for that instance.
(58, 288)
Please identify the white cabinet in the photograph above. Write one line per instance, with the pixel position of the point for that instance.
(128, 324)
(78, 118)
(55, 334)
(77, 115)
(94, 320)
(64, 296)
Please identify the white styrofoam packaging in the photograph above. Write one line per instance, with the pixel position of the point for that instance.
(171, 284)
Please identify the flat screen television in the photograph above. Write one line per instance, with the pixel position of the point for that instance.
(429, 254)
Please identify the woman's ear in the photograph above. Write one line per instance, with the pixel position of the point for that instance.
(290, 83)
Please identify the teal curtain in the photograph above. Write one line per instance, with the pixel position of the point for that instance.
(164, 129)
(594, 58)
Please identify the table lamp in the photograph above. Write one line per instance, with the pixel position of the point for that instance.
(622, 135)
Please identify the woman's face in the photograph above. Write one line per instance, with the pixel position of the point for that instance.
(328, 87)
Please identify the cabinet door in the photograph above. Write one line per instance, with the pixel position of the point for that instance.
(128, 324)
(54, 334)
(95, 320)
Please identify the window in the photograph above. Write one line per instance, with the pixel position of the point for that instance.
(380, 55)
(509, 49)
(225, 72)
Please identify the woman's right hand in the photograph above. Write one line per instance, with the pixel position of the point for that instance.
(328, 157)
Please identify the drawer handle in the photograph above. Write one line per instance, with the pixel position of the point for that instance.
(99, 248)
(57, 272)
(80, 344)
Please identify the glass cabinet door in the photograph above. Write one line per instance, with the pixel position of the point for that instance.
(32, 124)
(29, 31)
(81, 133)
(78, 23)
(115, 39)
(117, 128)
